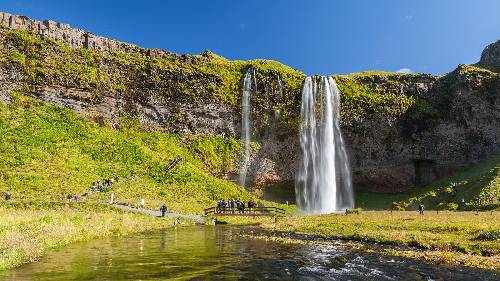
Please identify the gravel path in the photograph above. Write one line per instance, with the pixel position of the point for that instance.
(153, 213)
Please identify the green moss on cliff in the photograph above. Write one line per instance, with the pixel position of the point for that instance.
(361, 97)
(149, 74)
(146, 74)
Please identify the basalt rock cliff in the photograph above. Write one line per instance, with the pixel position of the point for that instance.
(402, 130)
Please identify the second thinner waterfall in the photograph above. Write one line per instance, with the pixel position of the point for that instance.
(249, 84)
(323, 183)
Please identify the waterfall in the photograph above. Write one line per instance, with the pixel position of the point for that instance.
(323, 183)
(249, 83)
(279, 97)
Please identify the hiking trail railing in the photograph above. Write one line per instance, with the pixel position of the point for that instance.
(255, 211)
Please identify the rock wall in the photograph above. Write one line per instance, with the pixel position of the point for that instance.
(393, 154)
(412, 130)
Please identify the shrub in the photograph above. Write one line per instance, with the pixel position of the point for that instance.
(481, 207)
(450, 206)
(353, 211)
(493, 235)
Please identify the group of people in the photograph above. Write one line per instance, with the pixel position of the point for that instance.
(106, 182)
(72, 197)
(231, 206)
(479, 200)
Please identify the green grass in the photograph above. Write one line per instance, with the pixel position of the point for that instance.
(48, 152)
(462, 237)
(450, 231)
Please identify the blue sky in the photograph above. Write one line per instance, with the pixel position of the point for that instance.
(317, 37)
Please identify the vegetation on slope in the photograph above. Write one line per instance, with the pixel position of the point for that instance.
(49, 152)
(361, 98)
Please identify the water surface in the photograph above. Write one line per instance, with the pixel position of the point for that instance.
(218, 253)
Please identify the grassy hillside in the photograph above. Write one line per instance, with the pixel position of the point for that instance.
(478, 181)
(48, 152)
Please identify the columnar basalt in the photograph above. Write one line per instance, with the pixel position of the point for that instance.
(74, 37)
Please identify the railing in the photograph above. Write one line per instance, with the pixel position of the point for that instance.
(255, 211)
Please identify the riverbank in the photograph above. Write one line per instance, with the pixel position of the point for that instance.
(27, 232)
(462, 238)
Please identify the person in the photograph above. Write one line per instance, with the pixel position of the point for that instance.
(250, 206)
(76, 197)
(242, 206)
(238, 205)
(7, 196)
(231, 206)
(394, 206)
(142, 202)
(163, 210)
(69, 197)
(116, 179)
(94, 186)
(112, 197)
(421, 208)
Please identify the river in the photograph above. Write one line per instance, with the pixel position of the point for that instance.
(219, 253)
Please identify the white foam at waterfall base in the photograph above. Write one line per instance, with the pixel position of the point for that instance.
(323, 183)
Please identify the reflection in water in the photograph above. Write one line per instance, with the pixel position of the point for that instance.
(218, 253)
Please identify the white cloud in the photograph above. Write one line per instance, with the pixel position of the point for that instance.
(405, 71)
(408, 17)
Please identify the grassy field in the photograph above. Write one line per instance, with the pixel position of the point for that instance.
(469, 238)
(27, 232)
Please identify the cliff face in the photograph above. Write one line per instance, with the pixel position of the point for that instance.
(401, 130)
(452, 121)
(491, 56)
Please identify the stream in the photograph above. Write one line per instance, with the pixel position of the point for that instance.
(219, 253)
